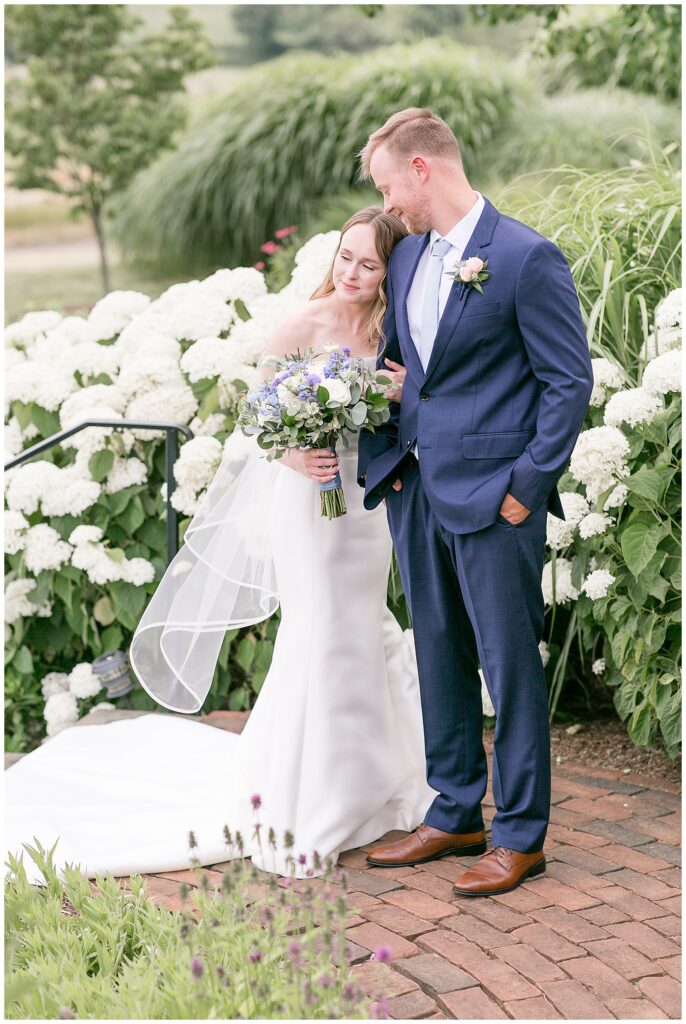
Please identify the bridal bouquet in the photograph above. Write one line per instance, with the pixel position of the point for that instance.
(313, 401)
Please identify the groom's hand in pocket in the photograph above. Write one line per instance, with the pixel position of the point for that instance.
(513, 510)
(397, 486)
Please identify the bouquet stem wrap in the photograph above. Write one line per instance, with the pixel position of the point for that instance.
(331, 492)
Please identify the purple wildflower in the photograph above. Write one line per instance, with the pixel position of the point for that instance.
(384, 954)
(255, 956)
(256, 801)
(197, 967)
(302, 858)
(65, 1013)
(294, 952)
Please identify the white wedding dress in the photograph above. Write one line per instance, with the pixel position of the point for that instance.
(334, 745)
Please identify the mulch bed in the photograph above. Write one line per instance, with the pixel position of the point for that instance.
(604, 743)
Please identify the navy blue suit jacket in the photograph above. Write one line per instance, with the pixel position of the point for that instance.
(506, 389)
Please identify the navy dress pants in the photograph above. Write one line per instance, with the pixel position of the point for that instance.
(475, 598)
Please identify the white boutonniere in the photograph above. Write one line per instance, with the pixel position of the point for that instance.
(470, 273)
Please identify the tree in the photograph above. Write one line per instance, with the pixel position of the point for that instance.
(635, 46)
(94, 107)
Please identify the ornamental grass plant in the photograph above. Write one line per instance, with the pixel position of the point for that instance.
(255, 947)
(621, 233)
(288, 135)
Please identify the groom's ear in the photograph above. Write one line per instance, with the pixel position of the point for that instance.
(419, 166)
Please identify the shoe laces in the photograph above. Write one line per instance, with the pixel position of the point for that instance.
(501, 853)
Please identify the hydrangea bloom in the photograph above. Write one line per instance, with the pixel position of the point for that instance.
(17, 603)
(85, 535)
(176, 402)
(616, 497)
(663, 374)
(125, 473)
(213, 357)
(44, 549)
(594, 524)
(312, 262)
(16, 526)
(597, 583)
(30, 327)
(244, 283)
(606, 376)
(564, 590)
(669, 312)
(110, 315)
(208, 427)
(632, 406)
(83, 681)
(560, 532)
(599, 458)
(194, 470)
(148, 372)
(60, 711)
(47, 386)
(54, 682)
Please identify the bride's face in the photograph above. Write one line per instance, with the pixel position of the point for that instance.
(358, 269)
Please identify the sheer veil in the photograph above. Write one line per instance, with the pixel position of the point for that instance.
(222, 578)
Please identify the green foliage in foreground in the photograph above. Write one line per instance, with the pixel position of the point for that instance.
(636, 628)
(74, 950)
(288, 135)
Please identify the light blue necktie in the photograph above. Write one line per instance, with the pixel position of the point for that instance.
(429, 323)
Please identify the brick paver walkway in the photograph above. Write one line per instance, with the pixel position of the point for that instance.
(597, 937)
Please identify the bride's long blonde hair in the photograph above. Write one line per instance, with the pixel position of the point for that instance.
(388, 230)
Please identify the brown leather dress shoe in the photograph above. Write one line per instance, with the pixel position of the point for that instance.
(499, 870)
(426, 843)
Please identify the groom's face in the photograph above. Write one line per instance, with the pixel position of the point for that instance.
(404, 187)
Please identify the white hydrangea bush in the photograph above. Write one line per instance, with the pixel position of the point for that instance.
(614, 562)
(85, 523)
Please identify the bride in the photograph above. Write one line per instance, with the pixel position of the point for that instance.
(333, 750)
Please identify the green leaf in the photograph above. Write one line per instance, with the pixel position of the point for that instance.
(103, 611)
(47, 422)
(64, 588)
(128, 602)
(210, 403)
(132, 517)
(112, 638)
(241, 309)
(647, 483)
(245, 653)
(115, 555)
(358, 414)
(639, 544)
(23, 662)
(641, 725)
(100, 464)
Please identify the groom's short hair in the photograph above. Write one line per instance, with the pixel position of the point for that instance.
(410, 131)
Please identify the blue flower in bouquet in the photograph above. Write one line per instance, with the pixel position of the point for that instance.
(305, 405)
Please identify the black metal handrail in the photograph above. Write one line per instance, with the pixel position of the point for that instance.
(171, 452)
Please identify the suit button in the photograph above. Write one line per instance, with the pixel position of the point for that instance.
(423, 395)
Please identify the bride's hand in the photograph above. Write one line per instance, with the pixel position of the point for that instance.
(397, 373)
(315, 463)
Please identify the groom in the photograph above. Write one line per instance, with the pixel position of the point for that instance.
(498, 383)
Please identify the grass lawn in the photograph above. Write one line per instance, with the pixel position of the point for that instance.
(74, 290)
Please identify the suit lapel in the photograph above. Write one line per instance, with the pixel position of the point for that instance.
(476, 246)
(407, 345)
